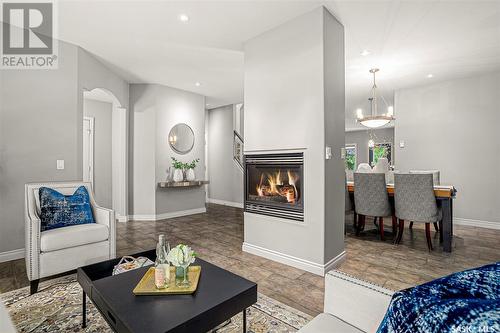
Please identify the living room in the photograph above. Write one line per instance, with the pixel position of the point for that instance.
(270, 142)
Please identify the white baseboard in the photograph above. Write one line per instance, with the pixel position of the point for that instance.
(11, 255)
(121, 218)
(476, 223)
(225, 203)
(165, 216)
(306, 265)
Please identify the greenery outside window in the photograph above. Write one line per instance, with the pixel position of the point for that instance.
(380, 150)
(351, 154)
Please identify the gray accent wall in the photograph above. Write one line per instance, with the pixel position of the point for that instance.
(41, 114)
(156, 109)
(226, 177)
(101, 112)
(452, 126)
(361, 138)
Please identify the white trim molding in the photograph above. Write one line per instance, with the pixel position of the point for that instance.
(477, 223)
(11, 255)
(165, 216)
(306, 265)
(225, 203)
(121, 218)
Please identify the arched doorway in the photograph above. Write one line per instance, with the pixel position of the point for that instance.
(105, 149)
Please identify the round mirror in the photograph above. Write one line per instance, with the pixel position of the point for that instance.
(181, 138)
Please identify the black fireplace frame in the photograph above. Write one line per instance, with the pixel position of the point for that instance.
(290, 160)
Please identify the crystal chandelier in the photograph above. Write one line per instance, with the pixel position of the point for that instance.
(375, 120)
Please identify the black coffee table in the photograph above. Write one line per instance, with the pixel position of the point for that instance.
(220, 296)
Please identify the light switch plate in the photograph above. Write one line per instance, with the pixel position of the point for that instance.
(60, 165)
(342, 153)
(328, 153)
(401, 144)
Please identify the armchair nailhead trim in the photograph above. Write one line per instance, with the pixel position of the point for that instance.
(353, 279)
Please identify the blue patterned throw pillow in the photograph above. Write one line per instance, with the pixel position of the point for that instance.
(59, 210)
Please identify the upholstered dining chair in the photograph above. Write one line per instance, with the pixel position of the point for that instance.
(415, 201)
(64, 249)
(371, 199)
(437, 181)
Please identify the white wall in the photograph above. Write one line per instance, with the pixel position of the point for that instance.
(101, 112)
(361, 138)
(452, 126)
(156, 109)
(286, 100)
(226, 177)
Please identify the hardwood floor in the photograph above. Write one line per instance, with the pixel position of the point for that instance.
(217, 237)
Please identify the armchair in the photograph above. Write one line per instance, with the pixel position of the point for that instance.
(64, 249)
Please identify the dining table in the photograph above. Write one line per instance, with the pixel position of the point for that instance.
(445, 194)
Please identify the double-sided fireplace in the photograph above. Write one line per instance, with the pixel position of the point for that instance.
(274, 185)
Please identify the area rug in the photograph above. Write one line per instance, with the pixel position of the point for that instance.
(57, 308)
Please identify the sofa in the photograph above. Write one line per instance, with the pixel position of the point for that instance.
(64, 249)
(351, 306)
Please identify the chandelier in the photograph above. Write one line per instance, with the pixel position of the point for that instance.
(375, 120)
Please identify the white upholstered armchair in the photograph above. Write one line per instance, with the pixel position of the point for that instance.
(64, 249)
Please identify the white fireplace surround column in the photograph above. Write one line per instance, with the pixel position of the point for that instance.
(294, 102)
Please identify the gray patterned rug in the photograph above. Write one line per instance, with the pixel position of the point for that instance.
(57, 308)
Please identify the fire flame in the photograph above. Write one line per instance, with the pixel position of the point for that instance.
(275, 186)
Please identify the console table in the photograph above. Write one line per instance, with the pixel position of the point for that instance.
(192, 183)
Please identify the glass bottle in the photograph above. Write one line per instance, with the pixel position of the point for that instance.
(162, 266)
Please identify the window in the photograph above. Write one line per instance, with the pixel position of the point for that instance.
(380, 150)
(351, 154)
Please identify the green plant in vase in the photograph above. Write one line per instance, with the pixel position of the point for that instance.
(178, 170)
(189, 167)
(182, 256)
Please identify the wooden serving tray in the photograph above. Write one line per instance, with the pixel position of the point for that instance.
(147, 284)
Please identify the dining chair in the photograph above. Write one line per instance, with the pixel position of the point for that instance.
(348, 206)
(415, 201)
(371, 199)
(435, 175)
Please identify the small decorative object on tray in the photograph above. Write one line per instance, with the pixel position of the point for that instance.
(129, 263)
(146, 285)
(182, 256)
(162, 266)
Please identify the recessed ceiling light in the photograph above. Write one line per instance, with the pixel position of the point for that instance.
(183, 18)
(430, 76)
(197, 84)
(365, 53)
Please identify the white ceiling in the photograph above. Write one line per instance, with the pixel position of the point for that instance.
(145, 41)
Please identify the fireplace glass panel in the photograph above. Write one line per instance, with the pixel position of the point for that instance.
(275, 185)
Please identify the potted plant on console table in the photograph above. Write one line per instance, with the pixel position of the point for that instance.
(178, 170)
(190, 176)
(184, 171)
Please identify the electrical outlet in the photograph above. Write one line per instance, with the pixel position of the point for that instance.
(60, 165)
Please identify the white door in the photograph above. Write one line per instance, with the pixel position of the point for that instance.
(88, 150)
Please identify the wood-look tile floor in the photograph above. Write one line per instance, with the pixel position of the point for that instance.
(217, 236)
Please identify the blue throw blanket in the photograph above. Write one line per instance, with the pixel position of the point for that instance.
(464, 302)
